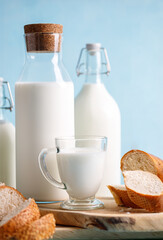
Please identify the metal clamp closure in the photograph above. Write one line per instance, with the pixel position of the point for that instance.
(82, 65)
(4, 97)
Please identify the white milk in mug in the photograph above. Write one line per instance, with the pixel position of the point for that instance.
(81, 170)
(81, 161)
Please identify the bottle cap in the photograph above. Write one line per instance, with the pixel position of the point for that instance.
(43, 37)
(43, 28)
(93, 46)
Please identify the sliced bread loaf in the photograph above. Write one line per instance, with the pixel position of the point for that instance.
(24, 214)
(42, 228)
(10, 198)
(139, 160)
(121, 197)
(144, 189)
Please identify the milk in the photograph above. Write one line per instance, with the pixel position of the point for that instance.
(43, 111)
(81, 170)
(7, 153)
(96, 113)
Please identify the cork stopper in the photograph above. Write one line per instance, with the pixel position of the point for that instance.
(43, 37)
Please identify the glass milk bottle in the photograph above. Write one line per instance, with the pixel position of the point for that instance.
(7, 137)
(97, 113)
(44, 102)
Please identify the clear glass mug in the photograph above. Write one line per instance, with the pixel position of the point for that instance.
(81, 164)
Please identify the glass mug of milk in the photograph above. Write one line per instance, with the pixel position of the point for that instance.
(81, 165)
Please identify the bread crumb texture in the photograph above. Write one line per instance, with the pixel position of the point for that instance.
(145, 190)
(143, 182)
(10, 199)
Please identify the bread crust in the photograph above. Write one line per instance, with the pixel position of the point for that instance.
(121, 197)
(25, 216)
(158, 163)
(151, 203)
(42, 228)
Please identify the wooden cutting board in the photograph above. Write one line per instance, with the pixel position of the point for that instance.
(70, 233)
(111, 218)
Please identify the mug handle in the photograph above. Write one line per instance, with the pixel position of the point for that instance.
(44, 170)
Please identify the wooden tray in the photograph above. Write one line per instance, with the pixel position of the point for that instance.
(112, 218)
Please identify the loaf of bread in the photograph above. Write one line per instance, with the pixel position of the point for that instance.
(139, 160)
(144, 189)
(143, 177)
(43, 228)
(10, 199)
(121, 197)
(20, 217)
(24, 214)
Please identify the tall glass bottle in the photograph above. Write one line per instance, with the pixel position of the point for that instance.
(44, 101)
(97, 113)
(7, 137)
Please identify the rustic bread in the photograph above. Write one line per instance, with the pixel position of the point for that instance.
(24, 214)
(42, 228)
(144, 189)
(139, 160)
(121, 197)
(10, 198)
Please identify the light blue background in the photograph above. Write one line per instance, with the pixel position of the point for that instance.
(132, 32)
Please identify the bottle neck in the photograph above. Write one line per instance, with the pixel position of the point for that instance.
(93, 67)
(53, 57)
(2, 115)
(2, 103)
(6, 100)
(94, 79)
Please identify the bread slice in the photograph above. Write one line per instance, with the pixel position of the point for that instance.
(144, 189)
(42, 228)
(139, 160)
(10, 198)
(121, 197)
(24, 214)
